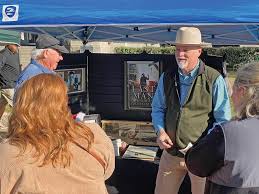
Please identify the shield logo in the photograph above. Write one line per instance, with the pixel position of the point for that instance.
(10, 11)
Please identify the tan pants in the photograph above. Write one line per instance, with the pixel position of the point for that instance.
(7, 96)
(171, 173)
(6, 99)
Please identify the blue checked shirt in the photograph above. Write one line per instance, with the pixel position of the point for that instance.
(31, 70)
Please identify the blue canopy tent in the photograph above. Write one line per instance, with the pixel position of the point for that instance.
(221, 22)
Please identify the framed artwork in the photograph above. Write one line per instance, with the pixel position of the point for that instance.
(140, 83)
(134, 133)
(74, 78)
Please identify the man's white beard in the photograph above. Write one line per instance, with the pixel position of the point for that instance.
(182, 64)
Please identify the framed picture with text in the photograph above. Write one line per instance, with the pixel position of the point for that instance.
(74, 78)
(140, 83)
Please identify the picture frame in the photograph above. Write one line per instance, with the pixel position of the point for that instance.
(140, 83)
(74, 78)
(132, 132)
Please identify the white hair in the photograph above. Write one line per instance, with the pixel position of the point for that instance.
(248, 77)
(35, 53)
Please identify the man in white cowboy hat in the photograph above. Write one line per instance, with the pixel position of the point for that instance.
(188, 101)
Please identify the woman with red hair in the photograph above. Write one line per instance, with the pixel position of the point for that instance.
(46, 150)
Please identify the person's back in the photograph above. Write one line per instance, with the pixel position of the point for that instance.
(241, 170)
(84, 175)
(46, 150)
(10, 68)
(227, 156)
(9, 72)
(29, 71)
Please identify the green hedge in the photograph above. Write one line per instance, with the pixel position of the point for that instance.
(234, 55)
(149, 50)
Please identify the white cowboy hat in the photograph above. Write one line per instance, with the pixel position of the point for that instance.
(189, 36)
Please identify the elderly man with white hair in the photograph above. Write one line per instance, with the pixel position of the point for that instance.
(44, 58)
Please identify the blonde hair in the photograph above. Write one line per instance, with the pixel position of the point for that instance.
(248, 77)
(41, 119)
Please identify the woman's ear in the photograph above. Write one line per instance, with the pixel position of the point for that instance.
(242, 90)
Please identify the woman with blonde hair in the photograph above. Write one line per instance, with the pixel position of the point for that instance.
(228, 156)
(46, 151)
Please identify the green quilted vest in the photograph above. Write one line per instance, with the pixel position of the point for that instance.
(186, 123)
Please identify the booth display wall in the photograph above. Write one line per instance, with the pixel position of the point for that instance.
(105, 82)
(107, 77)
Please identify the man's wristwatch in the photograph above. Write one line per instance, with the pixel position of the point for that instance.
(158, 132)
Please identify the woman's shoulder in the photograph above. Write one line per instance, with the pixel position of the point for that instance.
(6, 149)
(101, 139)
(99, 133)
(9, 156)
(102, 147)
(241, 122)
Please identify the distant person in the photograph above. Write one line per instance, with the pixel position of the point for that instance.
(76, 83)
(10, 69)
(188, 101)
(46, 151)
(228, 155)
(45, 58)
(143, 82)
(70, 81)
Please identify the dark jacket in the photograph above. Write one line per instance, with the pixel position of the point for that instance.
(9, 68)
(227, 157)
(186, 123)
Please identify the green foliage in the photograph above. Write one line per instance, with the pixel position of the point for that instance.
(234, 55)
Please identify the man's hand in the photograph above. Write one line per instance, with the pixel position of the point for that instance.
(164, 140)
